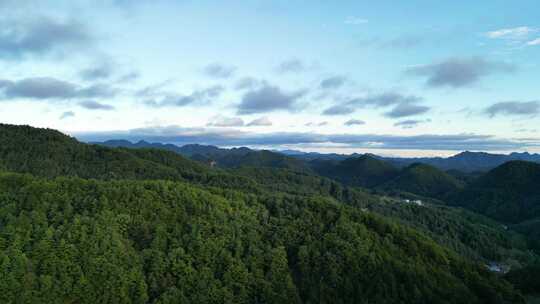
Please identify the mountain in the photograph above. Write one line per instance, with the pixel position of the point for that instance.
(467, 161)
(150, 226)
(262, 158)
(309, 156)
(364, 171)
(49, 153)
(424, 180)
(509, 193)
(371, 172)
(186, 150)
(225, 158)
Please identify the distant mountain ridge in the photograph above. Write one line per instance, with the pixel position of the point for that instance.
(465, 161)
(469, 161)
(186, 150)
(222, 157)
(366, 171)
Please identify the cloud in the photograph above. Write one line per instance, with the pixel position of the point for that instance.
(409, 124)
(385, 99)
(100, 71)
(5, 83)
(222, 121)
(405, 110)
(516, 108)
(355, 20)
(459, 72)
(338, 110)
(260, 122)
(354, 122)
(403, 105)
(333, 82)
(268, 98)
(199, 97)
(534, 42)
(153, 90)
(291, 66)
(51, 88)
(97, 90)
(233, 137)
(218, 70)
(94, 105)
(39, 88)
(516, 33)
(67, 114)
(39, 36)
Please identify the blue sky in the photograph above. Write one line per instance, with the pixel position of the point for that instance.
(399, 78)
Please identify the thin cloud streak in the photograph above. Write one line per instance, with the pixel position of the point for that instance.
(515, 108)
(459, 72)
(233, 137)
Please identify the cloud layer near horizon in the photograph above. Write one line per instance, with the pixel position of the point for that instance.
(234, 137)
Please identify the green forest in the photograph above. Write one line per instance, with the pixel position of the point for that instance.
(83, 223)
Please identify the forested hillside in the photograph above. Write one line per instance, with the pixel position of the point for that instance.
(423, 180)
(73, 240)
(49, 153)
(364, 171)
(509, 193)
(90, 224)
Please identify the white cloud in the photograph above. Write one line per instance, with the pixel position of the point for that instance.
(222, 121)
(261, 122)
(516, 33)
(534, 42)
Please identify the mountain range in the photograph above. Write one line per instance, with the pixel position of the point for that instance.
(467, 162)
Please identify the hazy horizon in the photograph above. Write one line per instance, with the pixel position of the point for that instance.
(406, 153)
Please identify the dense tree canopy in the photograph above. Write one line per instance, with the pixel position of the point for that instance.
(509, 193)
(74, 240)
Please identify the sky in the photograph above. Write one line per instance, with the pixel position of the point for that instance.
(404, 78)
